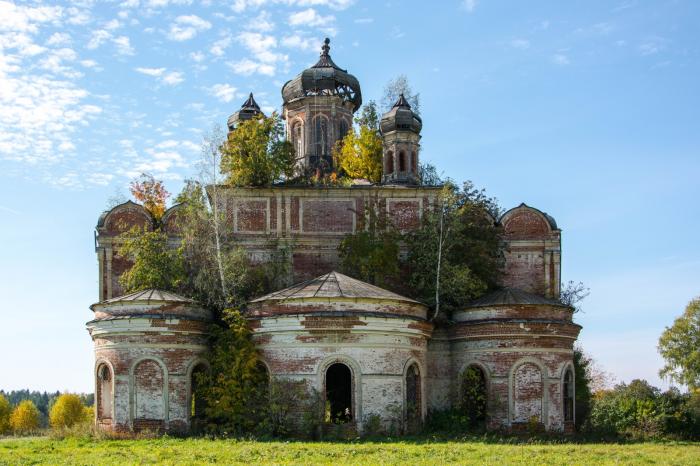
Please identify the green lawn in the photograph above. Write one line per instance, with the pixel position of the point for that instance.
(201, 451)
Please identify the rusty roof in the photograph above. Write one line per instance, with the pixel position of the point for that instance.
(151, 295)
(513, 296)
(333, 285)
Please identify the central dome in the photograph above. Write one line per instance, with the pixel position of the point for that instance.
(324, 78)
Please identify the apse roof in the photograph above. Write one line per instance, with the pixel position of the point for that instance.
(333, 285)
(511, 296)
(148, 296)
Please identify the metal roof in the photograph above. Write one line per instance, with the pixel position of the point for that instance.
(151, 295)
(324, 78)
(513, 296)
(401, 117)
(333, 285)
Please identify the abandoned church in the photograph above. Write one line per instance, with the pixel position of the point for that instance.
(367, 350)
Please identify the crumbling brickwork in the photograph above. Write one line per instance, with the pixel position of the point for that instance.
(150, 342)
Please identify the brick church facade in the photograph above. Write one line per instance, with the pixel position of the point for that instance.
(369, 351)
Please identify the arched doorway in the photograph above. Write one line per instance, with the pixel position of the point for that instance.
(339, 408)
(197, 401)
(474, 394)
(413, 402)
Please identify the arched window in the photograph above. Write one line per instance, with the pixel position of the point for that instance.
(413, 398)
(297, 138)
(389, 163)
(414, 162)
(402, 161)
(342, 128)
(568, 392)
(338, 394)
(197, 402)
(104, 392)
(473, 393)
(321, 143)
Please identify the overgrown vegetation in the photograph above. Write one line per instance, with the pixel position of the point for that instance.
(256, 154)
(359, 154)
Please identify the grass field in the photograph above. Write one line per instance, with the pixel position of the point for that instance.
(202, 451)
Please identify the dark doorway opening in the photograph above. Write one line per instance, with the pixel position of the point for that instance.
(338, 393)
(474, 394)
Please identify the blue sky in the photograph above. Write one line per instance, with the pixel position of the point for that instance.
(586, 110)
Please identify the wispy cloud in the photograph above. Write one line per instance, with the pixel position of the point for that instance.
(224, 92)
(560, 59)
(469, 5)
(521, 44)
(170, 78)
(186, 27)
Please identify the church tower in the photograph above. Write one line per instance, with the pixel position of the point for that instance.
(400, 128)
(318, 106)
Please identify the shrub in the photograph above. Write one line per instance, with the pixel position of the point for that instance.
(25, 418)
(5, 411)
(67, 411)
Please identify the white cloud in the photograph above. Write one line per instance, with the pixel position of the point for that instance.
(123, 45)
(98, 38)
(223, 92)
(264, 58)
(197, 56)
(298, 41)
(521, 44)
(187, 27)
(246, 67)
(26, 19)
(560, 59)
(88, 63)
(170, 78)
(310, 18)
(219, 47)
(173, 78)
(261, 23)
(58, 38)
(154, 72)
(469, 5)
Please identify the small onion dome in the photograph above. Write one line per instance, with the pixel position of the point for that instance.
(249, 109)
(324, 78)
(400, 118)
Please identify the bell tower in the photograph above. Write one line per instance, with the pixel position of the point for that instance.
(400, 128)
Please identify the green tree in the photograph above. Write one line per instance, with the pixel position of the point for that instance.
(25, 418)
(234, 389)
(256, 154)
(583, 367)
(67, 411)
(359, 154)
(455, 255)
(679, 345)
(5, 411)
(371, 254)
(155, 263)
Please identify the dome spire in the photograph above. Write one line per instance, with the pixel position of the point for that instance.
(401, 102)
(325, 60)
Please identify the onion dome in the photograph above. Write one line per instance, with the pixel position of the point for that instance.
(324, 78)
(400, 118)
(249, 109)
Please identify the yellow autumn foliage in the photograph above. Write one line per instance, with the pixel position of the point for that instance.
(25, 418)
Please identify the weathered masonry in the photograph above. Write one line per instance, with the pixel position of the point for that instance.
(368, 351)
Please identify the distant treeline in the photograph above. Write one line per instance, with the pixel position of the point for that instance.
(42, 400)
